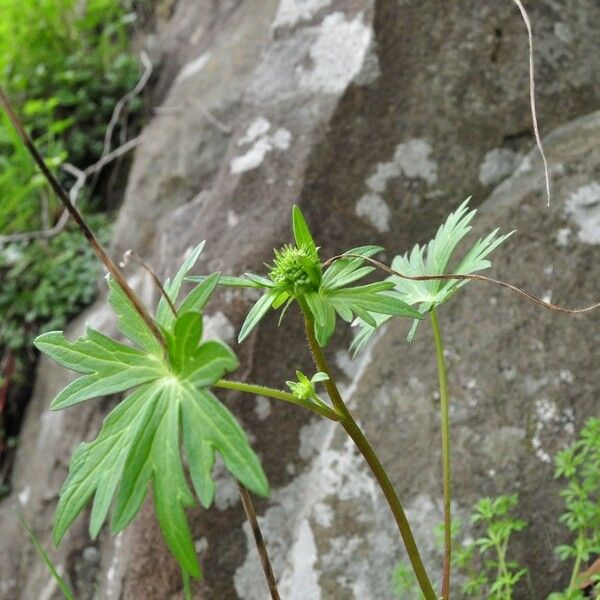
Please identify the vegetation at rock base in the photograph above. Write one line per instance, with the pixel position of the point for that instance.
(64, 64)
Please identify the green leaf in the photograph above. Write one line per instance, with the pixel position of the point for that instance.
(209, 426)
(316, 306)
(139, 443)
(170, 489)
(199, 296)
(248, 280)
(88, 355)
(347, 270)
(302, 234)
(433, 259)
(104, 383)
(257, 312)
(108, 366)
(184, 341)
(131, 323)
(209, 363)
(164, 315)
(98, 465)
(324, 331)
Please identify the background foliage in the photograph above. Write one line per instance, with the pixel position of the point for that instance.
(64, 64)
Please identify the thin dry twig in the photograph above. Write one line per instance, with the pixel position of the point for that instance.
(63, 196)
(457, 276)
(128, 97)
(81, 177)
(122, 103)
(536, 130)
(131, 255)
(179, 108)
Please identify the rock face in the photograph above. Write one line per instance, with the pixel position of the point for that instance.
(378, 117)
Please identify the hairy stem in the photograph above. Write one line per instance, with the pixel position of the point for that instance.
(445, 427)
(262, 390)
(259, 541)
(347, 421)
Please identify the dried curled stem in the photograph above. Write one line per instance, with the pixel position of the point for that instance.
(536, 130)
(457, 276)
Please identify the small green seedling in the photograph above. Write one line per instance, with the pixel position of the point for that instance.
(579, 464)
(498, 576)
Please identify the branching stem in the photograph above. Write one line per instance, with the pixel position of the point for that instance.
(262, 390)
(353, 430)
(445, 427)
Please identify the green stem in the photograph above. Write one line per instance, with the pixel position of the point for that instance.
(502, 568)
(445, 426)
(577, 565)
(349, 424)
(262, 390)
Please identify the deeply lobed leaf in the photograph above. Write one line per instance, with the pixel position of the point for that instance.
(433, 259)
(140, 440)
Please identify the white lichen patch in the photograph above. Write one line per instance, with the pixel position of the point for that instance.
(302, 581)
(292, 12)
(498, 164)
(226, 490)
(258, 128)
(346, 363)
(232, 218)
(583, 206)
(374, 209)
(563, 236)
(547, 417)
(411, 159)
(112, 584)
(337, 55)
(566, 376)
(262, 408)
(194, 66)
(370, 71)
(262, 142)
(330, 474)
(218, 327)
(323, 514)
(24, 495)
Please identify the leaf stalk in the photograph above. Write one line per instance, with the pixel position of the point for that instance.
(446, 467)
(262, 390)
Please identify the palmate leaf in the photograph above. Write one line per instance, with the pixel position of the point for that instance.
(169, 407)
(433, 259)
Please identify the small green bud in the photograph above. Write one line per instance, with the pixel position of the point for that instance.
(296, 270)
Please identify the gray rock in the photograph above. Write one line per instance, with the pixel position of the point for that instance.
(326, 103)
